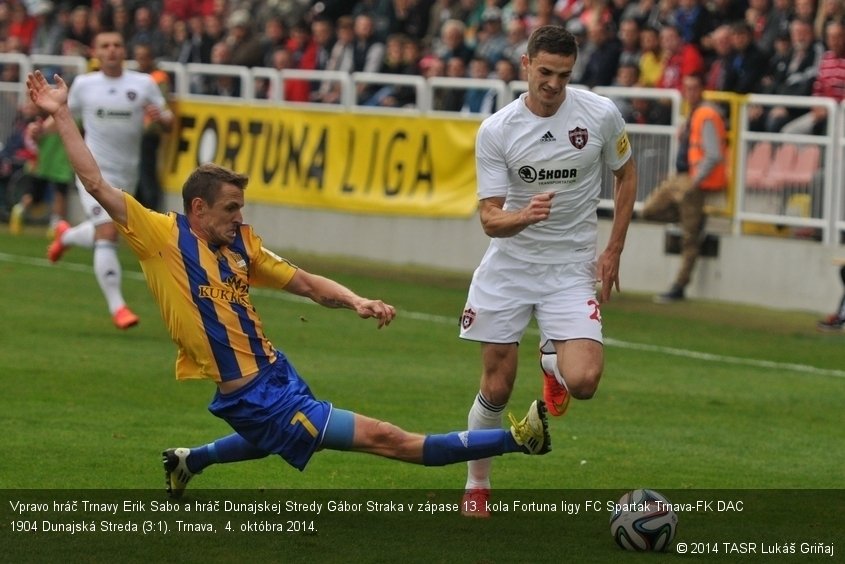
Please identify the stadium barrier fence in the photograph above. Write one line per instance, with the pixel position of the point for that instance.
(798, 195)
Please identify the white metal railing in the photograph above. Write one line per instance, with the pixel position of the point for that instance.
(822, 197)
(246, 86)
(517, 87)
(654, 144)
(503, 95)
(273, 88)
(422, 91)
(23, 62)
(838, 203)
(179, 78)
(62, 64)
(342, 79)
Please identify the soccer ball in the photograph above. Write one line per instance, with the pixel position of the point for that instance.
(643, 520)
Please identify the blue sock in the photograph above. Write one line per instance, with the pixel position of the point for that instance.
(232, 448)
(439, 450)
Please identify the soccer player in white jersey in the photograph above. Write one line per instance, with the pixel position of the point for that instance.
(539, 164)
(111, 105)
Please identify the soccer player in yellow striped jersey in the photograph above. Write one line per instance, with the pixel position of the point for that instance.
(202, 288)
(199, 267)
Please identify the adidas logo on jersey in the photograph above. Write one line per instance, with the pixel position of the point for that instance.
(547, 138)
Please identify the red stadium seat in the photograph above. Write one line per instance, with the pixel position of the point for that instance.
(782, 165)
(806, 166)
(758, 164)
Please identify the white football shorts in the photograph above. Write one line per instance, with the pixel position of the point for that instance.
(505, 292)
(93, 210)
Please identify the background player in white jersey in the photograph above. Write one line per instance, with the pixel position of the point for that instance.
(111, 105)
(539, 163)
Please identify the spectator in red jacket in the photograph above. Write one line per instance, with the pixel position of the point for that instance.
(21, 26)
(679, 59)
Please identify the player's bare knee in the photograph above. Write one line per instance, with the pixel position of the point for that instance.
(497, 391)
(584, 387)
(582, 391)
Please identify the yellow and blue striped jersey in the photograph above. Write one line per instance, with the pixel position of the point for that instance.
(202, 291)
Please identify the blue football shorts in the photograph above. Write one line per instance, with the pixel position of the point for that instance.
(276, 412)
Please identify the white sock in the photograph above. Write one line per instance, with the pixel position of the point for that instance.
(81, 235)
(549, 364)
(108, 273)
(482, 415)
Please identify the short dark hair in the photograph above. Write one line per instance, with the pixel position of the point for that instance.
(205, 182)
(552, 39)
(107, 30)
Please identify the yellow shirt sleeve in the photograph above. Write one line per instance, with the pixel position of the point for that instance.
(266, 268)
(146, 231)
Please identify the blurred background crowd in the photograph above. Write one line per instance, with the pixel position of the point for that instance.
(753, 46)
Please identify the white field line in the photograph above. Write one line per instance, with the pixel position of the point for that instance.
(442, 319)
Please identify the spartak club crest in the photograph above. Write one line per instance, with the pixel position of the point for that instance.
(467, 318)
(578, 137)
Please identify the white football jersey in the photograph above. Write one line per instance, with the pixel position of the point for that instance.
(112, 115)
(519, 154)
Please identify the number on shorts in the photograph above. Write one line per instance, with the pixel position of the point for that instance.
(596, 315)
(300, 417)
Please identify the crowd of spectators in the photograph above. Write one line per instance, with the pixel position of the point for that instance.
(754, 46)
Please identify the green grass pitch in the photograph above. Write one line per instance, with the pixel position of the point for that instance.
(697, 399)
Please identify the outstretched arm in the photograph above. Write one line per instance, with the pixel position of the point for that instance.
(329, 293)
(54, 102)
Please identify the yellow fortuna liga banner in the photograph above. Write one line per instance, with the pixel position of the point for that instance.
(364, 163)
